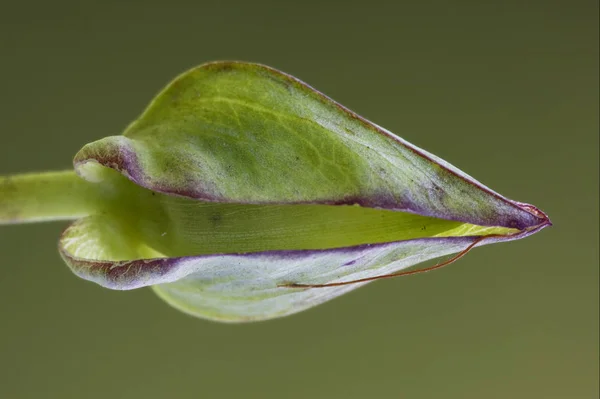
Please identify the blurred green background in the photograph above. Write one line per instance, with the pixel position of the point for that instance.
(506, 91)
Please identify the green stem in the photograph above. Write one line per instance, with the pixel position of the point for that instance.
(46, 196)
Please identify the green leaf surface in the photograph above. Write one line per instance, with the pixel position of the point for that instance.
(245, 133)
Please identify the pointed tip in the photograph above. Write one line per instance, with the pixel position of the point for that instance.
(542, 218)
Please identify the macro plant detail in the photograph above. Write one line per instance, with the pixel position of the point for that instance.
(241, 194)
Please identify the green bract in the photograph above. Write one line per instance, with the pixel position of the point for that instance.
(239, 184)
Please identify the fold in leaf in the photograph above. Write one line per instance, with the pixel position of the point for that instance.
(243, 179)
(251, 286)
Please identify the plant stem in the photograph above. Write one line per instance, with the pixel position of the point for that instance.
(46, 196)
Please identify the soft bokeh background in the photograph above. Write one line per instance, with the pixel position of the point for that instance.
(507, 91)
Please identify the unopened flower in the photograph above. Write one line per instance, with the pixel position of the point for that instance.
(242, 194)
